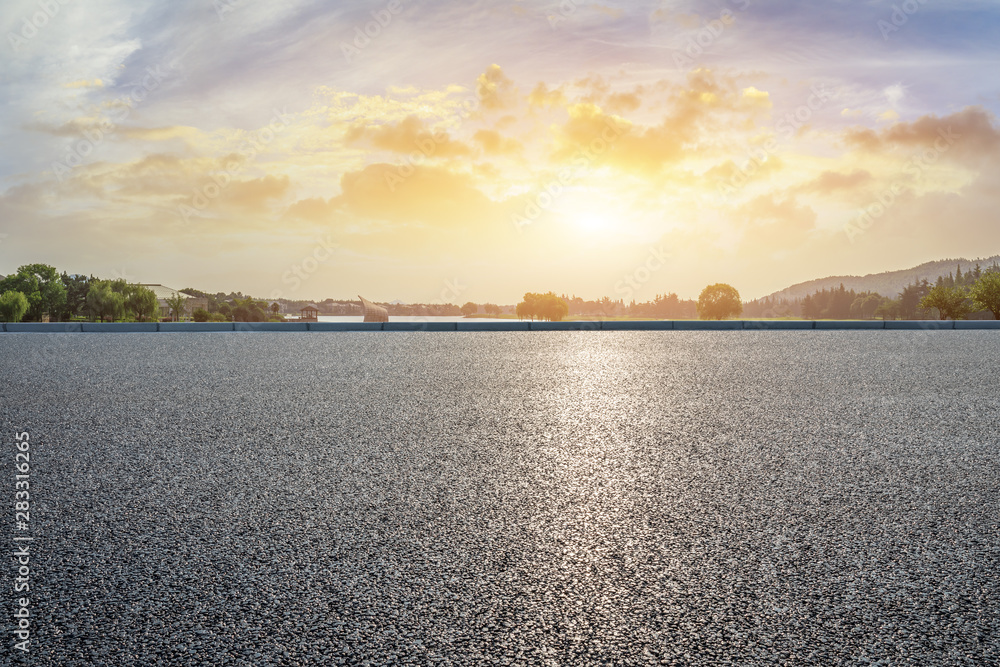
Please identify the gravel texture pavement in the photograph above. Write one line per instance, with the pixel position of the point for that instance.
(560, 498)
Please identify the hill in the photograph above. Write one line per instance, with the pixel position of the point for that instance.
(889, 283)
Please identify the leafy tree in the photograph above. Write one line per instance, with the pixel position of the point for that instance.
(275, 308)
(103, 302)
(546, 306)
(888, 309)
(491, 309)
(200, 315)
(141, 302)
(13, 306)
(77, 287)
(225, 310)
(470, 309)
(985, 293)
(176, 305)
(41, 285)
(719, 302)
(952, 303)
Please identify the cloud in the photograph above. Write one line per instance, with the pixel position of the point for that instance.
(430, 195)
(495, 90)
(407, 136)
(496, 144)
(970, 134)
(831, 181)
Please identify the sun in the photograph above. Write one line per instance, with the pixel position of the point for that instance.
(591, 221)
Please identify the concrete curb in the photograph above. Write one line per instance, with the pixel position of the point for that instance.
(513, 325)
(565, 326)
(637, 325)
(708, 325)
(838, 325)
(420, 326)
(120, 327)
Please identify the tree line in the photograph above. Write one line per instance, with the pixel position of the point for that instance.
(959, 295)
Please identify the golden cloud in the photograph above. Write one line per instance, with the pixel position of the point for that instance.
(495, 90)
(431, 195)
(407, 136)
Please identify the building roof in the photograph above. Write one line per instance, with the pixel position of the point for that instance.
(309, 306)
(164, 292)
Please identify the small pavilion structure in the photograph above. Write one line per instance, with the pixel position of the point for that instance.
(372, 312)
(309, 313)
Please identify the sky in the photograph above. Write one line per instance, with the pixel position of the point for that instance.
(454, 151)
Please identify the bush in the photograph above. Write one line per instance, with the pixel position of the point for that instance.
(217, 317)
(200, 315)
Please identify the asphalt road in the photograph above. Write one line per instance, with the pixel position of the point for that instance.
(507, 498)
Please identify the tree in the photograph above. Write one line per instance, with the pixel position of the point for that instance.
(470, 309)
(41, 285)
(141, 302)
(225, 310)
(200, 315)
(176, 305)
(952, 303)
(103, 302)
(719, 302)
(491, 309)
(985, 293)
(13, 306)
(546, 306)
(275, 308)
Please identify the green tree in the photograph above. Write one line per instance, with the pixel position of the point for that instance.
(177, 305)
(719, 302)
(952, 303)
(13, 306)
(141, 302)
(985, 293)
(103, 302)
(275, 308)
(200, 315)
(470, 309)
(225, 310)
(41, 285)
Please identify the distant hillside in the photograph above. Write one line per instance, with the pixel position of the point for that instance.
(889, 284)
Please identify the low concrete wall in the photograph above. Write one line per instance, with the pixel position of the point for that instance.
(512, 325)
(120, 327)
(419, 326)
(478, 325)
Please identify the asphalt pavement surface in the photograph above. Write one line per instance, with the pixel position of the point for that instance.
(563, 498)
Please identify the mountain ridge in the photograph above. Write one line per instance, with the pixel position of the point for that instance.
(888, 283)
